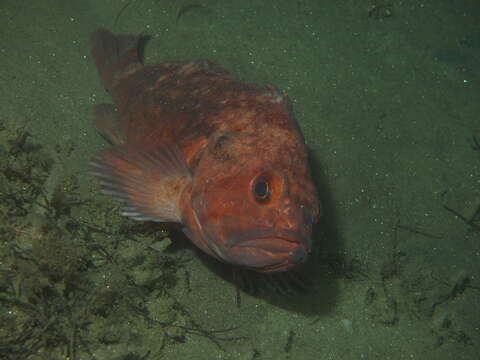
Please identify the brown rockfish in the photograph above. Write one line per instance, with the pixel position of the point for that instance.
(193, 145)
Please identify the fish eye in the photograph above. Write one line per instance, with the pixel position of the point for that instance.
(262, 190)
(267, 187)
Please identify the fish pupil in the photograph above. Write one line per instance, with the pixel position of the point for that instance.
(262, 190)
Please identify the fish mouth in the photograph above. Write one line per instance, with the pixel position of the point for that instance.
(267, 251)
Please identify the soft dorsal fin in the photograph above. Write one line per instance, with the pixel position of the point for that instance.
(149, 181)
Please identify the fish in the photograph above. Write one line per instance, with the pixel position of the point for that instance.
(192, 145)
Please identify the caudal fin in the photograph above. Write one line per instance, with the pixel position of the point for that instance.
(116, 56)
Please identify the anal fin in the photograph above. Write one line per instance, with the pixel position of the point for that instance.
(107, 123)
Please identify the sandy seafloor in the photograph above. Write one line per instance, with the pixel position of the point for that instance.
(389, 101)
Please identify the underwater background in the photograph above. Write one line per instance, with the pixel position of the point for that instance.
(387, 94)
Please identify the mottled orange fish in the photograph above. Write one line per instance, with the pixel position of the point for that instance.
(194, 146)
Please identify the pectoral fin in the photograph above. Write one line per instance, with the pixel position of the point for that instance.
(149, 181)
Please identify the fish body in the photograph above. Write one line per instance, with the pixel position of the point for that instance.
(193, 145)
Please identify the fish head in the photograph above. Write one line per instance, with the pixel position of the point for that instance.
(253, 211)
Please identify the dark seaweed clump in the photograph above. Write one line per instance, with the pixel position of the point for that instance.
(77, 280)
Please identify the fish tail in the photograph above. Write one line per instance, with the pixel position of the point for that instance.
(116, 56)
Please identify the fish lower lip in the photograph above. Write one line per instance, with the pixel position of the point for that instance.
(271, 243)
(266, 238)
(276, 254)
(273, 253)
(278, 248)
